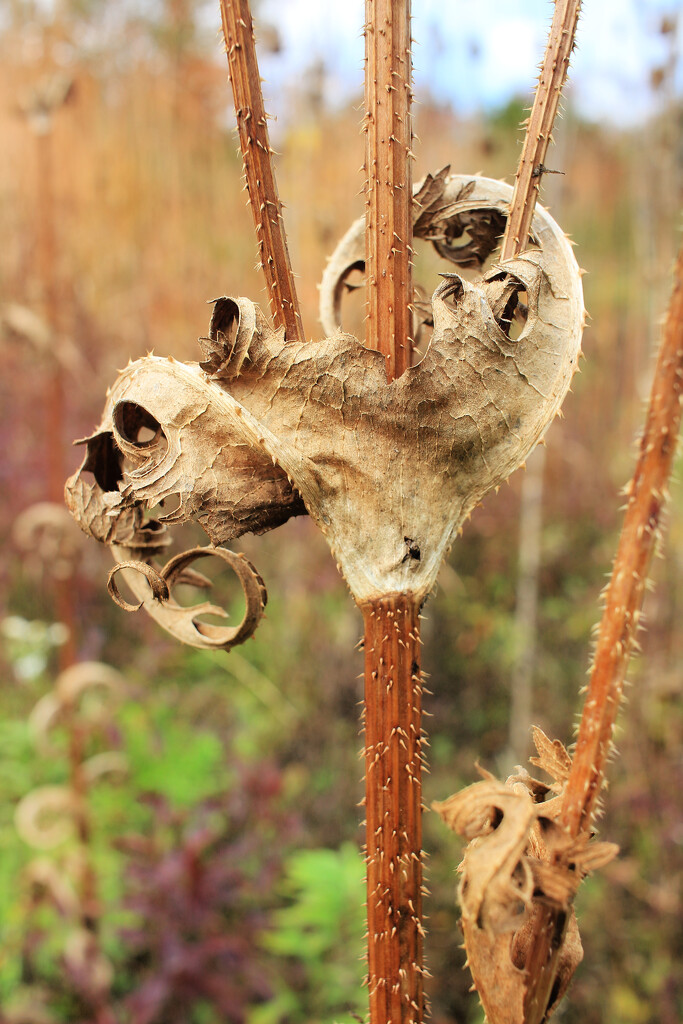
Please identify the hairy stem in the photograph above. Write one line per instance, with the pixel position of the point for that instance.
(257, 155)
(647, 493)
(393, 805)
(540, 125)
(393, 708)
(388, 192)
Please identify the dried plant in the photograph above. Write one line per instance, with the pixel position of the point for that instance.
(51, 817)
(388, 459)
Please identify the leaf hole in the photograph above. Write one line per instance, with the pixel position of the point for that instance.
(104, 462)
(137, 426)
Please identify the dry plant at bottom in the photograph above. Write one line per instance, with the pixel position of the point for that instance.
(527, 855)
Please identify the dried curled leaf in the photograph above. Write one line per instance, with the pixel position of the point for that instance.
(265, 428)
(71, 687)
(157, 584)
(185, 623)
(48, 540)
(462, 231)
(518, 860)
(44, 817)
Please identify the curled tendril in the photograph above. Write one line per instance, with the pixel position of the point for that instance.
(184, 622)
(158, 585)
(44, 817)
(66, 700)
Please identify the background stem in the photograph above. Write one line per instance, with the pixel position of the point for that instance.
(258, 166)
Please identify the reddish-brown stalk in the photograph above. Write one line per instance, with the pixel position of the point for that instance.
(40, 114)
(540, 125)
(647, 494)
(393, 808)
(388, 190)
(257, 155)
(393, 692)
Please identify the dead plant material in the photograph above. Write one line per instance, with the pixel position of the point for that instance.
(259, 171)
(388, 188)
(48, 541)
(186, 623)
(540, 125)
(393, 809)
(519, 861)
(266, 428)
(647, 494)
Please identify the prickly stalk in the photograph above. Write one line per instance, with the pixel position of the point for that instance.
(258, 166)
(393, 804)
(540, 125)
(646, 494)
(388, 195)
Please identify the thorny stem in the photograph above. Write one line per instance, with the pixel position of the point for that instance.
(393, 806)
(388, 192)
(647, 494)
(540, 125)
(257, 155)
(393, 693)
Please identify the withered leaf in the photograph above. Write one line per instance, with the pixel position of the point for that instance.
(518, 861)
(265, 429)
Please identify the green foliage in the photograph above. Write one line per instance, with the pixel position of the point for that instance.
(321, 931)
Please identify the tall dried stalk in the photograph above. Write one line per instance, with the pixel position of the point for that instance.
(647, 493)
(388, 190)
(265, 203)
(392, 663)
(540, 125)
(393, 689)
(393, 809)
(40, 112)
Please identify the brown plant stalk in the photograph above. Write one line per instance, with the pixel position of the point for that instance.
(257, 155)
(393, 807)
(647, 495)
(388, 191)
(40, 112)
(540, 125)
(393, 689)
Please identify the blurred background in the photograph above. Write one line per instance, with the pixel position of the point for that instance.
(179, 831)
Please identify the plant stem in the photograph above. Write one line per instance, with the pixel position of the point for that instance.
(647, 493)
(388, 192)
(393, 805)
(257, 155)
(40, 119)
(540, 125)
(393, 693)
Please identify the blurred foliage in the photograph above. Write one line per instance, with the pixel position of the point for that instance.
(228, 851)
(319, 932)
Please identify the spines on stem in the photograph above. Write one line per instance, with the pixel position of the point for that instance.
(619, 623)
(393, 805)
(539, 126)
(258, 166)
(388, 190)
(640, 534)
